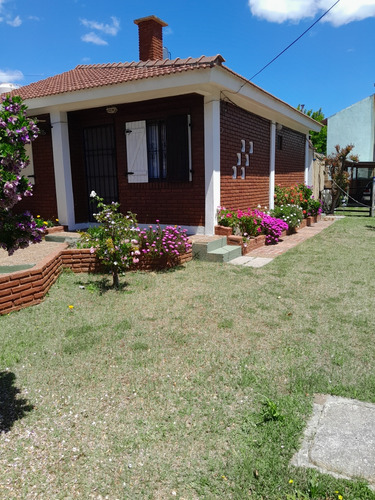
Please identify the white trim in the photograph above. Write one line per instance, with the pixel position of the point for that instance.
(271, 199)
(211, 162)
(62, 167)
(207, 82)
(307, 160)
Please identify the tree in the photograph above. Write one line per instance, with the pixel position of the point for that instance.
(16, 130)
(337, 169)
(319, 139)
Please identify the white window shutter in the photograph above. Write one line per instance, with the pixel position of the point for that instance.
(29, 170)
(136, 146)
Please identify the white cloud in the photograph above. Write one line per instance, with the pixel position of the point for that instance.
(93, 38)
(7, 76)
(279, 11)
(108, 29)
(15, 22)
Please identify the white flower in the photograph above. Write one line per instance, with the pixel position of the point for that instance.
(92, 194)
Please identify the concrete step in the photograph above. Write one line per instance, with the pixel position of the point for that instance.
(216, 251)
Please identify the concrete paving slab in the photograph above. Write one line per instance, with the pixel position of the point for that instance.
(247, 261)
(340, 439)
(241, 261)
(259, 262)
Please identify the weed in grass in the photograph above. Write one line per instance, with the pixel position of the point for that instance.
(226, 323)
(139, 346)
(271, 412)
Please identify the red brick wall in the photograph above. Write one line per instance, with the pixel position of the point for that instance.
(26, 288)
(237, 124)
(43, 201)
(150, 40)
(290, 160)
(176, 203)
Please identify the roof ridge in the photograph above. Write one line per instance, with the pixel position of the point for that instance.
(188, 61)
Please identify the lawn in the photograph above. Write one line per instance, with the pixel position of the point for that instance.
(193, 383)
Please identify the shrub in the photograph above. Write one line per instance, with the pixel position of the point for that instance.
(291, 214)
(227, 218)
(170, 242)
(299, 194)
(16, 130)
(115, 240)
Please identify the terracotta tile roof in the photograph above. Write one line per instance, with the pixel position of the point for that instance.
(99, 75)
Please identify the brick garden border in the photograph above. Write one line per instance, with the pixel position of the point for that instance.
(26, 288)
(260, 240)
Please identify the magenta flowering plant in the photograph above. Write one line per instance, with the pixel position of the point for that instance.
(272, 227)
(251, 223)
(16, 130)
(227, 218)
(169, 242)
(115, 240)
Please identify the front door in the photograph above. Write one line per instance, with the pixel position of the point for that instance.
(101, 167)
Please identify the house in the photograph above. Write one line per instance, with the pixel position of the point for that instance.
(169, 139)
(355, 125)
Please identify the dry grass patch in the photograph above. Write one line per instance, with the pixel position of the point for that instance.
(157, 391)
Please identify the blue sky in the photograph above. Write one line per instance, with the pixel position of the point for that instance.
(332, 66)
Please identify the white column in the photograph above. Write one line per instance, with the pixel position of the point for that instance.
(308, 162)
(271, 199)
(212, 162)
(61, 162)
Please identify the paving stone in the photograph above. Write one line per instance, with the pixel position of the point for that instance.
(258, 262)
(340, 439)
(241, 261)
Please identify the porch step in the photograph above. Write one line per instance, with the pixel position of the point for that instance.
(215, 250)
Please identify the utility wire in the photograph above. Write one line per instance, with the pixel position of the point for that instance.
(296, 40)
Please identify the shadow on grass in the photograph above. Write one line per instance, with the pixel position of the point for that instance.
(371, 228)
(102, 285)
(12, 408)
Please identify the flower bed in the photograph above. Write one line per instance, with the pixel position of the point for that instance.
(250, 224)
(26, 288)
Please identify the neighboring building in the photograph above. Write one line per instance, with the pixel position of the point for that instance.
(169, 139)
(355, 125)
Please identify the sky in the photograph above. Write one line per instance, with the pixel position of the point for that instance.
(331, 67)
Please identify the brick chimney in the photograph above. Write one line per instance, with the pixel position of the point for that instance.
(150, 33)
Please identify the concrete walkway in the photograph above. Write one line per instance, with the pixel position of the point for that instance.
(264, 255)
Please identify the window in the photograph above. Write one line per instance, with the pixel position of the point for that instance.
(159, 150)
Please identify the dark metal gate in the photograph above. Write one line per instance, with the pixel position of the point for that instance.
(100, 162)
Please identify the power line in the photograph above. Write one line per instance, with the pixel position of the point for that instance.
(296, 40)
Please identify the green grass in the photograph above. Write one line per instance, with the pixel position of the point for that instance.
(195, 383)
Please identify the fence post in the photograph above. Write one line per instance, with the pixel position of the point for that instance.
(372, 197)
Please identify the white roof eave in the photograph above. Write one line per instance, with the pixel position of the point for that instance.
(218, 82)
